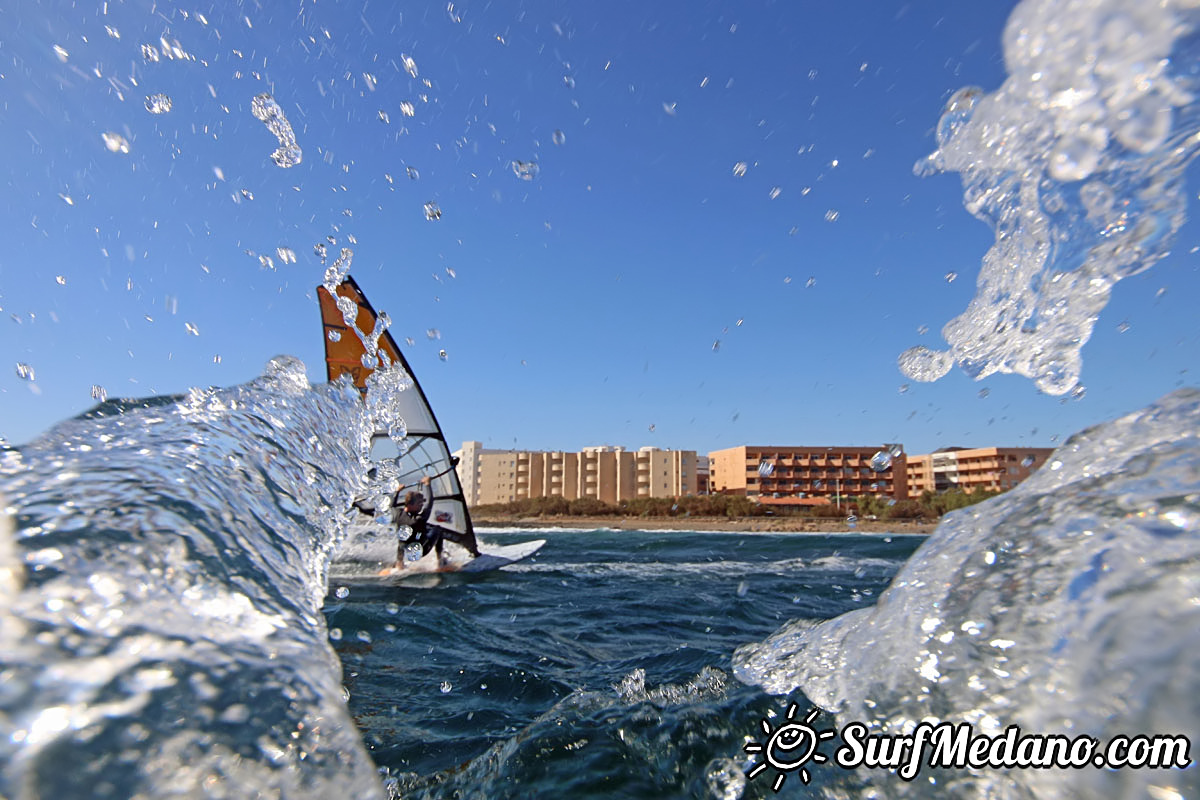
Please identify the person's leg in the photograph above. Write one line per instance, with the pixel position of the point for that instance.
(466, 540)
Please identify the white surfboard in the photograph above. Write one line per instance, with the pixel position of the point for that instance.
(494, 556)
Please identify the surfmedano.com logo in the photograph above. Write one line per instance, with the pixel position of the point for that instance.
(791, 746)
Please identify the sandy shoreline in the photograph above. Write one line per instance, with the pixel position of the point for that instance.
(733, 524)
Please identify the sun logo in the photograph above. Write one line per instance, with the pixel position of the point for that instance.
(790, 746)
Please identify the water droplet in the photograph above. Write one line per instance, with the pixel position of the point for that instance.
(363, 636)
(896, 450)
(217, 358)
(951, 276)
(410, 66)
(341, 593)
(811, 282)
(158, 103)
(1123, 327)
(787, 279)
(266, 110)
(392, 608)
(61, 280)
(766, 469)
(433, 334)
(1027, 461)
(739, 169)
(881, 461)
(903, 388)
(192, 329)
(568, 81)
(99, 393)
(716, 345)
(150, 53)
(286, 254)
(559, 137)
(112, 32)
(246, 194)
(334, 336)
(831, 215)
(651, 428)
(525, 170)
(922, 364)
(442, 355)
(432, 211)
(335, 634)
(446, 687)
(408, 109)
(957, 112)
(984, 392)
(384, 117)
(412, 172)
(742, 589)
(24, 371)
(1078, 392)
(921, 331)
(115, 142)
(775, 192)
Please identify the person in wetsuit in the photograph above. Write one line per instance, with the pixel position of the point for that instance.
(413, 512)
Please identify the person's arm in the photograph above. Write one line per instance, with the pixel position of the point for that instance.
(360, 505)
(423, 515)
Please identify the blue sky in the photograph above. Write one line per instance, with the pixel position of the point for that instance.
(577, 308)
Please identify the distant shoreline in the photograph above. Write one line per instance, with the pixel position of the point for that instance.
(730, 524)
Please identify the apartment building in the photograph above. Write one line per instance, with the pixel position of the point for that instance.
(807, 475)
(990, 468)
(606, 473)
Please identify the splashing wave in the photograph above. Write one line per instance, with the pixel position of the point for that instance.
(168, 639)
(1077, 162)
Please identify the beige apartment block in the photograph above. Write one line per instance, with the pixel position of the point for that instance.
(990, 468)
(606, 473)
(806, 474)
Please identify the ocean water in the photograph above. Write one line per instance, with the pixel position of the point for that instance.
(601, 667)
(169, 629)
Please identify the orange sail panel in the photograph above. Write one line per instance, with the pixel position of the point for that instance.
(344, 350)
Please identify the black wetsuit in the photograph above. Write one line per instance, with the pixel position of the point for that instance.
(430, 537)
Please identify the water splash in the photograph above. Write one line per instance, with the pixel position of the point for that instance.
(1067, 604)
(525, 170)
(158, 103)
(115, 142)
(174, 554)
(266, 110)
(1077, 163)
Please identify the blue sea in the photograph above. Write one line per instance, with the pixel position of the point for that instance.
(601, 667)
(168, 627)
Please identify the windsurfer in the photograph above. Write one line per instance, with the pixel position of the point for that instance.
(413, 513)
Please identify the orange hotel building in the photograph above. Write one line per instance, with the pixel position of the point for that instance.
(990, 468)
(805, 475)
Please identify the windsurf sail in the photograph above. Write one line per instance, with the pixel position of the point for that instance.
(425, 452)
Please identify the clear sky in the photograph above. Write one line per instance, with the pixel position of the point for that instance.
(581, 307)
